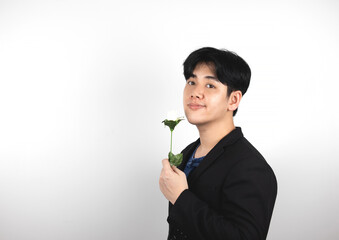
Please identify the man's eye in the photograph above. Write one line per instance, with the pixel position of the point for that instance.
(190, 83)
(210, 86)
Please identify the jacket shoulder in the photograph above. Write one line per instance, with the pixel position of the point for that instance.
(250, 158)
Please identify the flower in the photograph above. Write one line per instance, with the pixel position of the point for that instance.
(172, 121)
(172, 115)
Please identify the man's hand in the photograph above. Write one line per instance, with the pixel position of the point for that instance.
(172, 181)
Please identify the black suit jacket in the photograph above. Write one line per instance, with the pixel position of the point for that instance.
(231, 194)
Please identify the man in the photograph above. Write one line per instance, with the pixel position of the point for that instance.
(224, 188)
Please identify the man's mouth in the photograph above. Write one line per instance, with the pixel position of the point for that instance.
(195, 106)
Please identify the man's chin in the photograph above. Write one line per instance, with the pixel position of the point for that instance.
(195, 121)
(195, 118)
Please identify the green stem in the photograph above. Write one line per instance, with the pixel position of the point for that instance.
(171, 141)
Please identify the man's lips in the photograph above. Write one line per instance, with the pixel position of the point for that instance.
(195, 106)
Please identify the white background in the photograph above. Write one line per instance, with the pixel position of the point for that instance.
(84, 86)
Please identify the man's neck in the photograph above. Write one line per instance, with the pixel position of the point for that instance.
(211, 134)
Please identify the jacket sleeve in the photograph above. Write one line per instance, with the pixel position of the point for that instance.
(246, 203)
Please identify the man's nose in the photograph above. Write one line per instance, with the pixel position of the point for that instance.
(198, 92)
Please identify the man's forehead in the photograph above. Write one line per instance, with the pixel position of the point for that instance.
(210, 66)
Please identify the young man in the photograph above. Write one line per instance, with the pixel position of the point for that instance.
(224, 188)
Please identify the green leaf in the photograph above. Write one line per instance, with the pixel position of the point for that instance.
(175, 159)
(172, 123)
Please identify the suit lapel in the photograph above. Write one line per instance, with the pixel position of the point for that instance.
(205, 163)
(187, 153)
(211, 157)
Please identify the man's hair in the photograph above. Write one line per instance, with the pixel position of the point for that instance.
(230, 69)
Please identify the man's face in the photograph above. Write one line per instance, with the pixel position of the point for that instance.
(205, 99)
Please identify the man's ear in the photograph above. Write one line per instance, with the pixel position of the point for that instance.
(234, 100)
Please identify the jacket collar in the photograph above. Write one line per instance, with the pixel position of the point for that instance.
(208, 160)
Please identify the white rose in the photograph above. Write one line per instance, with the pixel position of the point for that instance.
(172, 115)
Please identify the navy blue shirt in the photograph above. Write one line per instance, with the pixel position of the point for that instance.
(192, 163)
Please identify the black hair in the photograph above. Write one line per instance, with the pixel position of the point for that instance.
(230, 69)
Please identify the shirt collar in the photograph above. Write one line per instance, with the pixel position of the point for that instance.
(227, 140)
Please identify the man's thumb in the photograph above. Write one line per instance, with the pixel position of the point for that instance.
(175, 169)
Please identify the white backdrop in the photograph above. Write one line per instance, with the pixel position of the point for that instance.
(84, 86)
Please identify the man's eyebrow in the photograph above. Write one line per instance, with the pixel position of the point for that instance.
(208, 77)
(211, 77)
